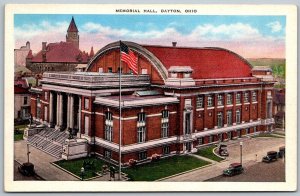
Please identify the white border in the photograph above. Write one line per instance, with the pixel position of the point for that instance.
(291, 113)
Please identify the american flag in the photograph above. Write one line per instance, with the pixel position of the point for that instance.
(128, 57)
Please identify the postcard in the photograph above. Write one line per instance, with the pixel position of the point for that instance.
(110, 98)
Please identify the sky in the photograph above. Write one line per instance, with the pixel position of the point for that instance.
(248, 36)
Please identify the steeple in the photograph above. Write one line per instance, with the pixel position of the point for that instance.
(72, 33)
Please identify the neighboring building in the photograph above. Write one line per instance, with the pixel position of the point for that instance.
(279, 108)
(60, 56)
(183, 98)
(22, 100)
(21, 54)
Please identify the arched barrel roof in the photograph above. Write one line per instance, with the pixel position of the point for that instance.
(207, 63)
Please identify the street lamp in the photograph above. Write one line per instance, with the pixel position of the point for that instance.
(241, 151)
(82, 172)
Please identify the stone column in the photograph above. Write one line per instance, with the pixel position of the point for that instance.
(79, 118)
(71, 111)
(61, 110)
(68, 112)
(57, 108)
(51, 109)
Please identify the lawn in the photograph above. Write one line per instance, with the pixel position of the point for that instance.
(268, 135)
(208, 153)
(74, 166)
(163, 168)
(18, 133)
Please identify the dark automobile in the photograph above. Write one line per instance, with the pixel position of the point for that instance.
(233, 169)
(223, 150)
(281, 152)
(271, 156)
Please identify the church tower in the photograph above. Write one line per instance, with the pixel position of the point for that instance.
(72, 34)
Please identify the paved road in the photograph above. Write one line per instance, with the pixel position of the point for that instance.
(251, 148)
(258, 172)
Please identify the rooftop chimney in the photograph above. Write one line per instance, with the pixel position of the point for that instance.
(174, 44)
(44, 46)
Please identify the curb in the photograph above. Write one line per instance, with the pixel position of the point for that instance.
(224, 159)
(208, 165)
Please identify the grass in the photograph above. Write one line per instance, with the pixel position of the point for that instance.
(208, 153)
(18, 133)
(267, 135)
(74, 166)
(163, 168)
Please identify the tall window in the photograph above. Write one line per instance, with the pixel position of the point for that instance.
(238, 98)
(254, 98)
(220, 119)
(210, 102)
(246, 97)
(220, 99)
(187, 123)
(108, 126)
(229, 117)
(141, 129)
(25, 100)
(238, 116)
(229, 99)
(200, 102)
(165, 123)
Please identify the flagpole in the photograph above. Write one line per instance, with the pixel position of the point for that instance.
(120, 115)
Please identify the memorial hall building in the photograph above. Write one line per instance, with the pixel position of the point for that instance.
(182, 98)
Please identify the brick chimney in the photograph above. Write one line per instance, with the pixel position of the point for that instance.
(44, 51)
(174, 44)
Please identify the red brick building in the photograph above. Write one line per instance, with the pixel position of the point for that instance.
(59, 56)
(183, 98)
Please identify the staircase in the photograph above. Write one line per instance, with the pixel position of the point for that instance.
(49, 140)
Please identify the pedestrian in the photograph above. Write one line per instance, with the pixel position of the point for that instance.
(112, 172)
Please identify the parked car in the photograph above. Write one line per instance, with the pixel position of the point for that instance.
(281, 152)
(271, 156)
(223, 150)
(233, 169)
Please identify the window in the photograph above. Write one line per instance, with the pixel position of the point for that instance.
(107, 154)
(229, 117)
(229, 99)
(142, 155)
(38, 100)
(238, 116)
(165, 123)
(247, 131)
(86, 103)
(254, 129)
(25, 100)
(238, 98)
(220, 119)
(220, 99)
(246, 97)
(166, 150)
(187, 103)
(254, 97)
(199, 102)
(200, 140)
(210, 102)
(86, 125)
(109, 70)
(141, 129)
(211, 138)
(187, 123)
(108, 126)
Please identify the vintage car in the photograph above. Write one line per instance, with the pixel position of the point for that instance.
(223, 150)
(233, 169)
(271, 156)
(281, 152)
(27, 169)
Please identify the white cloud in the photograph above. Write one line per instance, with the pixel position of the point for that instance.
(239, 37)
(275, 26)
